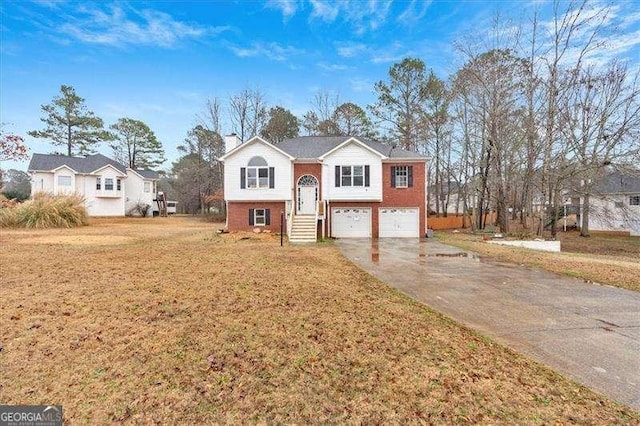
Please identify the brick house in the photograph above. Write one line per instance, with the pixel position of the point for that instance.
(335, 186)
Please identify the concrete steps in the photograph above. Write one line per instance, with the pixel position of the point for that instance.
(304, 229)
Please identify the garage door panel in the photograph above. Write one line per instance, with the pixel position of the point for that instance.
(350, 222)
(400, 222)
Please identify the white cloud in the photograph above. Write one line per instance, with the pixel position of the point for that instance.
(414, 12)
(361, 85)
(349, 49)
(333, 67)
(117, 27)
(394, 53)
(288, 8)
(362, 16)
(324, 10)
(272, 50)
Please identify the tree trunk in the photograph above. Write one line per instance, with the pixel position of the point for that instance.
(584, 228)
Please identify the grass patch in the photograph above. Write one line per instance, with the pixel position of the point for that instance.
(605, 259)
(46, 211)
(180, 325)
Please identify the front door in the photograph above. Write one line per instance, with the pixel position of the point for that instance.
(307, 204)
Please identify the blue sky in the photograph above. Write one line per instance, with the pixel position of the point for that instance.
(160, 61)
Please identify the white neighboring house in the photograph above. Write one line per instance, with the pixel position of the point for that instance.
(108, 187)
(615, 204)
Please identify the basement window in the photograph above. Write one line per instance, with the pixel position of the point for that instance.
(634, 200)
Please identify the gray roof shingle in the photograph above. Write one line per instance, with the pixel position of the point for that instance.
(617, 182)
(148, 174)
(88, 164)
(316, 146)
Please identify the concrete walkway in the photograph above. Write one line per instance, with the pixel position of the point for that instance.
(588, 332)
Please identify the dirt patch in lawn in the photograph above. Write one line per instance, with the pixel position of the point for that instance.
(607, 260)
(185, 325)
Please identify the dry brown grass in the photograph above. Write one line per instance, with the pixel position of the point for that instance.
(605, 259)
(162, 320)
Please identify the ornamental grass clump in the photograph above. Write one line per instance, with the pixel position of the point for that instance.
(46, 211)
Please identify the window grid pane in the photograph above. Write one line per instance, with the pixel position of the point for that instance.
(259, 217)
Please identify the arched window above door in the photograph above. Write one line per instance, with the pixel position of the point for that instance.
(307, 180)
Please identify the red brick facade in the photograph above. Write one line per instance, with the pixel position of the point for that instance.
(238, 212)
(395, 197)
(238, 215)
(313, 169)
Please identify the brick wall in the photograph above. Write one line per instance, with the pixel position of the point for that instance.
(238, 215)
(395, 197)
(313, 169)
(405, 197)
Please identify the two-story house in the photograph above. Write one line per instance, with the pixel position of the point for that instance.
(614, 204)
(108, 187)
(330, 186)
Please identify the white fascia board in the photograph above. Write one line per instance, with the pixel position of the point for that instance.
(348, 141)
(253, 140)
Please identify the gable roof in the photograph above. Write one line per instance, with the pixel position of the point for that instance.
(88, 164)
(254, 140)
(317, 146)
(617, 182)
(146, 174)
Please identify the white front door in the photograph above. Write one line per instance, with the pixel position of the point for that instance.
(307, 204)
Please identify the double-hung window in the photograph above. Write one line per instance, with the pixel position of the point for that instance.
(147, 187)
(257, 177)
(108, 184)
(259, 217)
(257, 174)
(118, 184)
(401, 176)
(98, 183)
(352, 176)
(64, 180)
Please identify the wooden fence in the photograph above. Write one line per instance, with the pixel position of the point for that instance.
(454, 222)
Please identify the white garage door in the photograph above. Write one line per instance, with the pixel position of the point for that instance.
(350, 222)
(399, 222)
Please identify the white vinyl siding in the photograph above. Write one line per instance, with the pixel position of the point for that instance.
(280, 164)
(352, 154)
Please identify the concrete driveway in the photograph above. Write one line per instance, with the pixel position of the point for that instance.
(588, 332)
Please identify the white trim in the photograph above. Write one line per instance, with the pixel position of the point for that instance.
(64, 166)
(252, 141)
(349, 141)
(95, 172)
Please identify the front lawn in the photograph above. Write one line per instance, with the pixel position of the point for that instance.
(601, 258)
(162, 320)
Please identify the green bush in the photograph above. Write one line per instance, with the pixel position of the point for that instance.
(46, 211)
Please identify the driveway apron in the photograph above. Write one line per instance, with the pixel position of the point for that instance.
(586, 331)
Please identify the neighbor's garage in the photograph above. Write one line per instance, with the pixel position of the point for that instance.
(399, 222)
(349, 222)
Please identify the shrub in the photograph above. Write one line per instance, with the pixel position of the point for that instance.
(46, 211)
(139, 209)
(15, 194)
